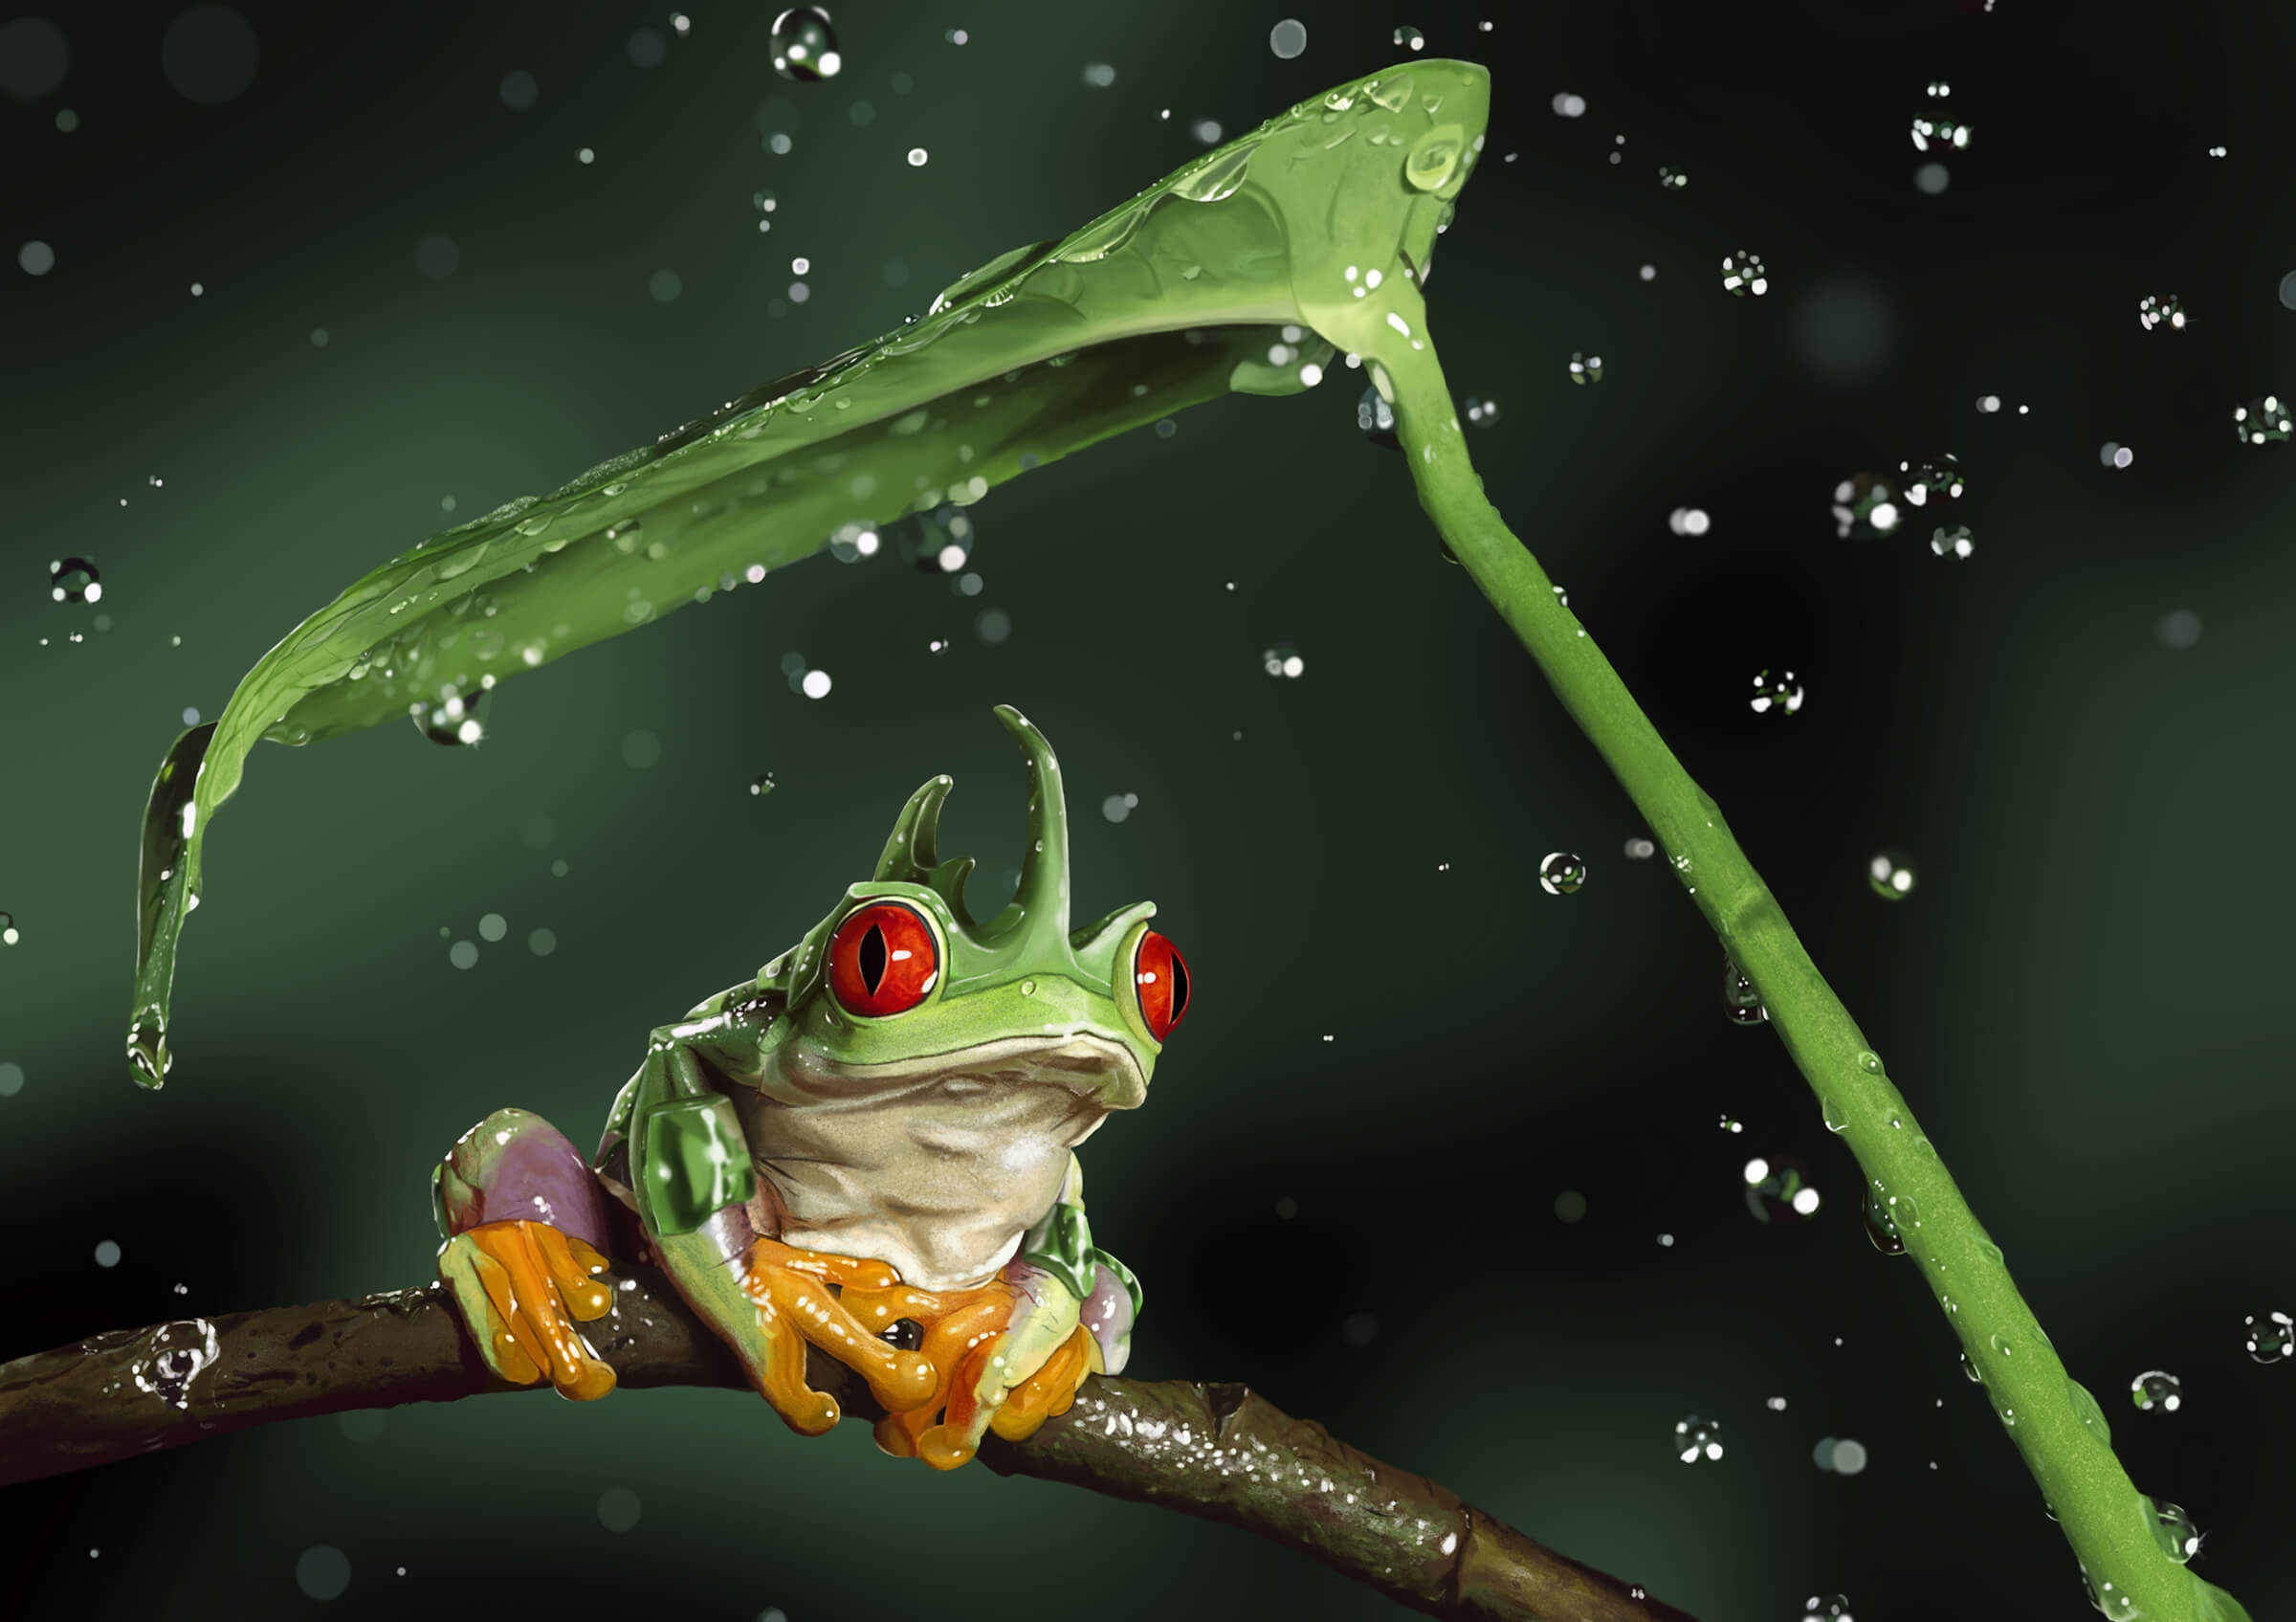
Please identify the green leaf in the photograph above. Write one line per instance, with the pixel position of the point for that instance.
(1174, 297)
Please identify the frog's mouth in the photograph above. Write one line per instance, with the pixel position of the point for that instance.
(1099, 1073)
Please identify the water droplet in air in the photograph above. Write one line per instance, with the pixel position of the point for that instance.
(1376, 417)
(1941, 133)
(1482, 412)
(1562, 874)
(2164, 309)
(761, 783)
(1283, 660)
(75, 580)
(1865, 506)
(1696, 1439)
(1639, 849)
(8, 930)
(2264, 420)
(804, 47)
(1826, 1608)
(1778, 692)
(2271, 1336)
(107, 1252)
(1743, 273)
(1288, 38)
(1953, 541)
(1892, 874)
(2157, 1391)
(1778, 1191)
(1690, 521)
(1410, 39)
(1932, 484)
(1586, 368)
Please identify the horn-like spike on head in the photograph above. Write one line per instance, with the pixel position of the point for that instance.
(911, 854)
(1042, 900)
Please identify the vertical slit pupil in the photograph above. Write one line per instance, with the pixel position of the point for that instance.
(874, 959)
(1179, 985)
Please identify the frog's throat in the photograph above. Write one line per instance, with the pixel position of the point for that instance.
(1092, 1067)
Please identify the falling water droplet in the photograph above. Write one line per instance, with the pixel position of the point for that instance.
(1409, 37)
(1931, 484)
(761, 783)
(2262, 420)
(1778, 1190)
(1283, 660)
(1696, 1439)
(1826, 1608)
(1776, 694)
(2157, 1391)
(805, 46)
(1866, 505)
(1482, 413)
(1953, 541)
(1890, 873)
(1585, 368)
(2271, 1336)
(9, 935)
(75, 580)
(1562, 874)
(1744, 274)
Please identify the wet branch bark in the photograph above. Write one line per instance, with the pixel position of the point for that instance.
(1214, 1450)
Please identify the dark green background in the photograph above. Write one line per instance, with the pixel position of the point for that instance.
(2086, 998)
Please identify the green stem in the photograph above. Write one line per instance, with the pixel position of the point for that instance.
(2054, 1422)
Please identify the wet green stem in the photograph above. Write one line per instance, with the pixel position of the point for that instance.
(2054, 1422)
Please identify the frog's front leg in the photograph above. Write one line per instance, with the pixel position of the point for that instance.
(692, 1180)
(1011, 1352)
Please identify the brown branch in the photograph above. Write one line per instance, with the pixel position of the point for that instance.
(1214, 1450)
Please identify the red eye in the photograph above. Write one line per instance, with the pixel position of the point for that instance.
(1160, 974)
(883, 960)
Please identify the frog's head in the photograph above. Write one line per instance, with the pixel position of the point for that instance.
(900, 985)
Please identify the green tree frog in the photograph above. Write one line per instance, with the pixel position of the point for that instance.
(869, 1149)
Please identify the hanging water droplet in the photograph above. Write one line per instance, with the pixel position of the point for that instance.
(2157, 1391)
(1409, 38)
(1586, 368)
(1953, 541)
(761, 783)
(1777, 694)
(1743, 273)
(1283, 660)
(2262, 421)
(2271, 1336)
(452, 720)
(1696, 1439)
(1892, 874)
(804, 47)
(1740, 1001)
(75, 580)
(1376, 417)
(1881, 1225)
(2161, 310)
(1562, 874)
(2173, 1531)
(1482, 413)
(1970, 1369)
(1865, 506)
(1778, 1190)
(1930, 483)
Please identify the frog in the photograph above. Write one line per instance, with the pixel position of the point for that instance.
(868, 1148)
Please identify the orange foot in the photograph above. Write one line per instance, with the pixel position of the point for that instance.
(797, 1297)
(1009, 1354)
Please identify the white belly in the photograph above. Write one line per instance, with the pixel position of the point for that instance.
(940, 1179)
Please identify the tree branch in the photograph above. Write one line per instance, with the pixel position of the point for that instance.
(1214, 1451)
